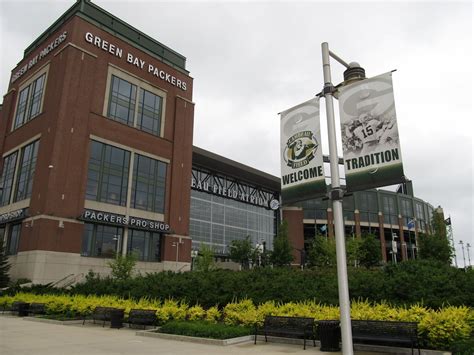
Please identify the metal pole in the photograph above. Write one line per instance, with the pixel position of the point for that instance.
(336, 196)
(468, 256)
(463, 256)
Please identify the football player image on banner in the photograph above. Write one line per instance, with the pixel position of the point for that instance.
(370, 142)
(302, 170)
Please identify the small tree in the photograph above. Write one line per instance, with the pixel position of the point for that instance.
(322, 252)
(369, 251)
(353, 251)
(122, 266)
(205, 260)
(281, 255)
(4, 266)
(436, 246)
(241, 252)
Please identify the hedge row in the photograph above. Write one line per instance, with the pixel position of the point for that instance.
(439, 329)
(430, 283)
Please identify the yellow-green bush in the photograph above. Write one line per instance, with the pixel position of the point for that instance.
(243, 312)
(438, 329)
(196, 313)
(171, 310)
(446, 326)
(213, 314)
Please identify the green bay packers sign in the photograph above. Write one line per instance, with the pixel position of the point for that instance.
(370, 142)
(302, 173)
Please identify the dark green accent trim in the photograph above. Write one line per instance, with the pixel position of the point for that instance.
(305, 191)
(388, 175)
(108, 22)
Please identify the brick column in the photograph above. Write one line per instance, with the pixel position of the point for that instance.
(382, 238)
(330, 218)
(294, 217)
(357, 224)
(403, 244)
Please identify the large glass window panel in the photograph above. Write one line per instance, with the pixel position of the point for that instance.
(136, 244)
(6, 182)
(149, 184)
(21, 108)
(29, 101)
(100, 240)
(145, 245)
(149, 112)
(24, 183)
(13, 239)
(36, 96)
(122, 100)
(107, 178)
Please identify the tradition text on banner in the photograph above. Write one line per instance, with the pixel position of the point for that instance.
(370, 141)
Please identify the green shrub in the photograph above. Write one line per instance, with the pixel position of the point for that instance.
(205, 329)
(416, 281)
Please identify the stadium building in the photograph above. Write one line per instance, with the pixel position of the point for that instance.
(96, 137)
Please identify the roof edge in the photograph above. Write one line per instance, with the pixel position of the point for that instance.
(90, 11)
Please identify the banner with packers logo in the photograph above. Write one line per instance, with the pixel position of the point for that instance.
(370, 143)
(302, 170)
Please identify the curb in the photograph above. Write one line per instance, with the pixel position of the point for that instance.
(153, 334)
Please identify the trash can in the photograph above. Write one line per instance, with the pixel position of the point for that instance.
(23, 309)
(329, 335)
(116, 318)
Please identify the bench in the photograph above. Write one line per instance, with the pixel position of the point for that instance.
(386, 332)
(21, 308)
(288, 327)
(37, 308)
(101, 314)
(142, 317)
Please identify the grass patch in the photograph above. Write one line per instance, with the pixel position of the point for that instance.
(60, 317)
(204, 329)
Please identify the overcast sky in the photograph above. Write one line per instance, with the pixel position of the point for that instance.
(251, 60)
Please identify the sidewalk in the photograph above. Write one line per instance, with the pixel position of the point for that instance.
(22, 336)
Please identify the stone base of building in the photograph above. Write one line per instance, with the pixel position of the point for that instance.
(43, 267)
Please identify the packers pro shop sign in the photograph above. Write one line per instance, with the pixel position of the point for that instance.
(302, 173)
(370, 143)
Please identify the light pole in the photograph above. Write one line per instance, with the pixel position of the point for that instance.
(463, 256)
(394, 248)
(194, 254)
(259, 249)
(336, 196)
(118, 248)
(177, 244)
(468, 256)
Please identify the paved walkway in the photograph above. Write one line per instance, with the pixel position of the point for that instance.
(20, 336)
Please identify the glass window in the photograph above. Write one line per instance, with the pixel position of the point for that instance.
(406, 207)
(100, 240)
(29, 101)
(13, 239)
(389, 210)
(145, 245)
(6, 182)
(149, 112)
(24, 183)
(107, 178)
(21, 107)
(149, 184)
(134, 106)
(122, 100)
(368, 201)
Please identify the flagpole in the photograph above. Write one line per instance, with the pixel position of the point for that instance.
(336, 197)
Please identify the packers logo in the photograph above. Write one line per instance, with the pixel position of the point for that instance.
(300, 149)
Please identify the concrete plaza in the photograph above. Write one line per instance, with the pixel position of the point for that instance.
(25, 336)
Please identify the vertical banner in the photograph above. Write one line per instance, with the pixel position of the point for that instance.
(302, 170)
(370, 142)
